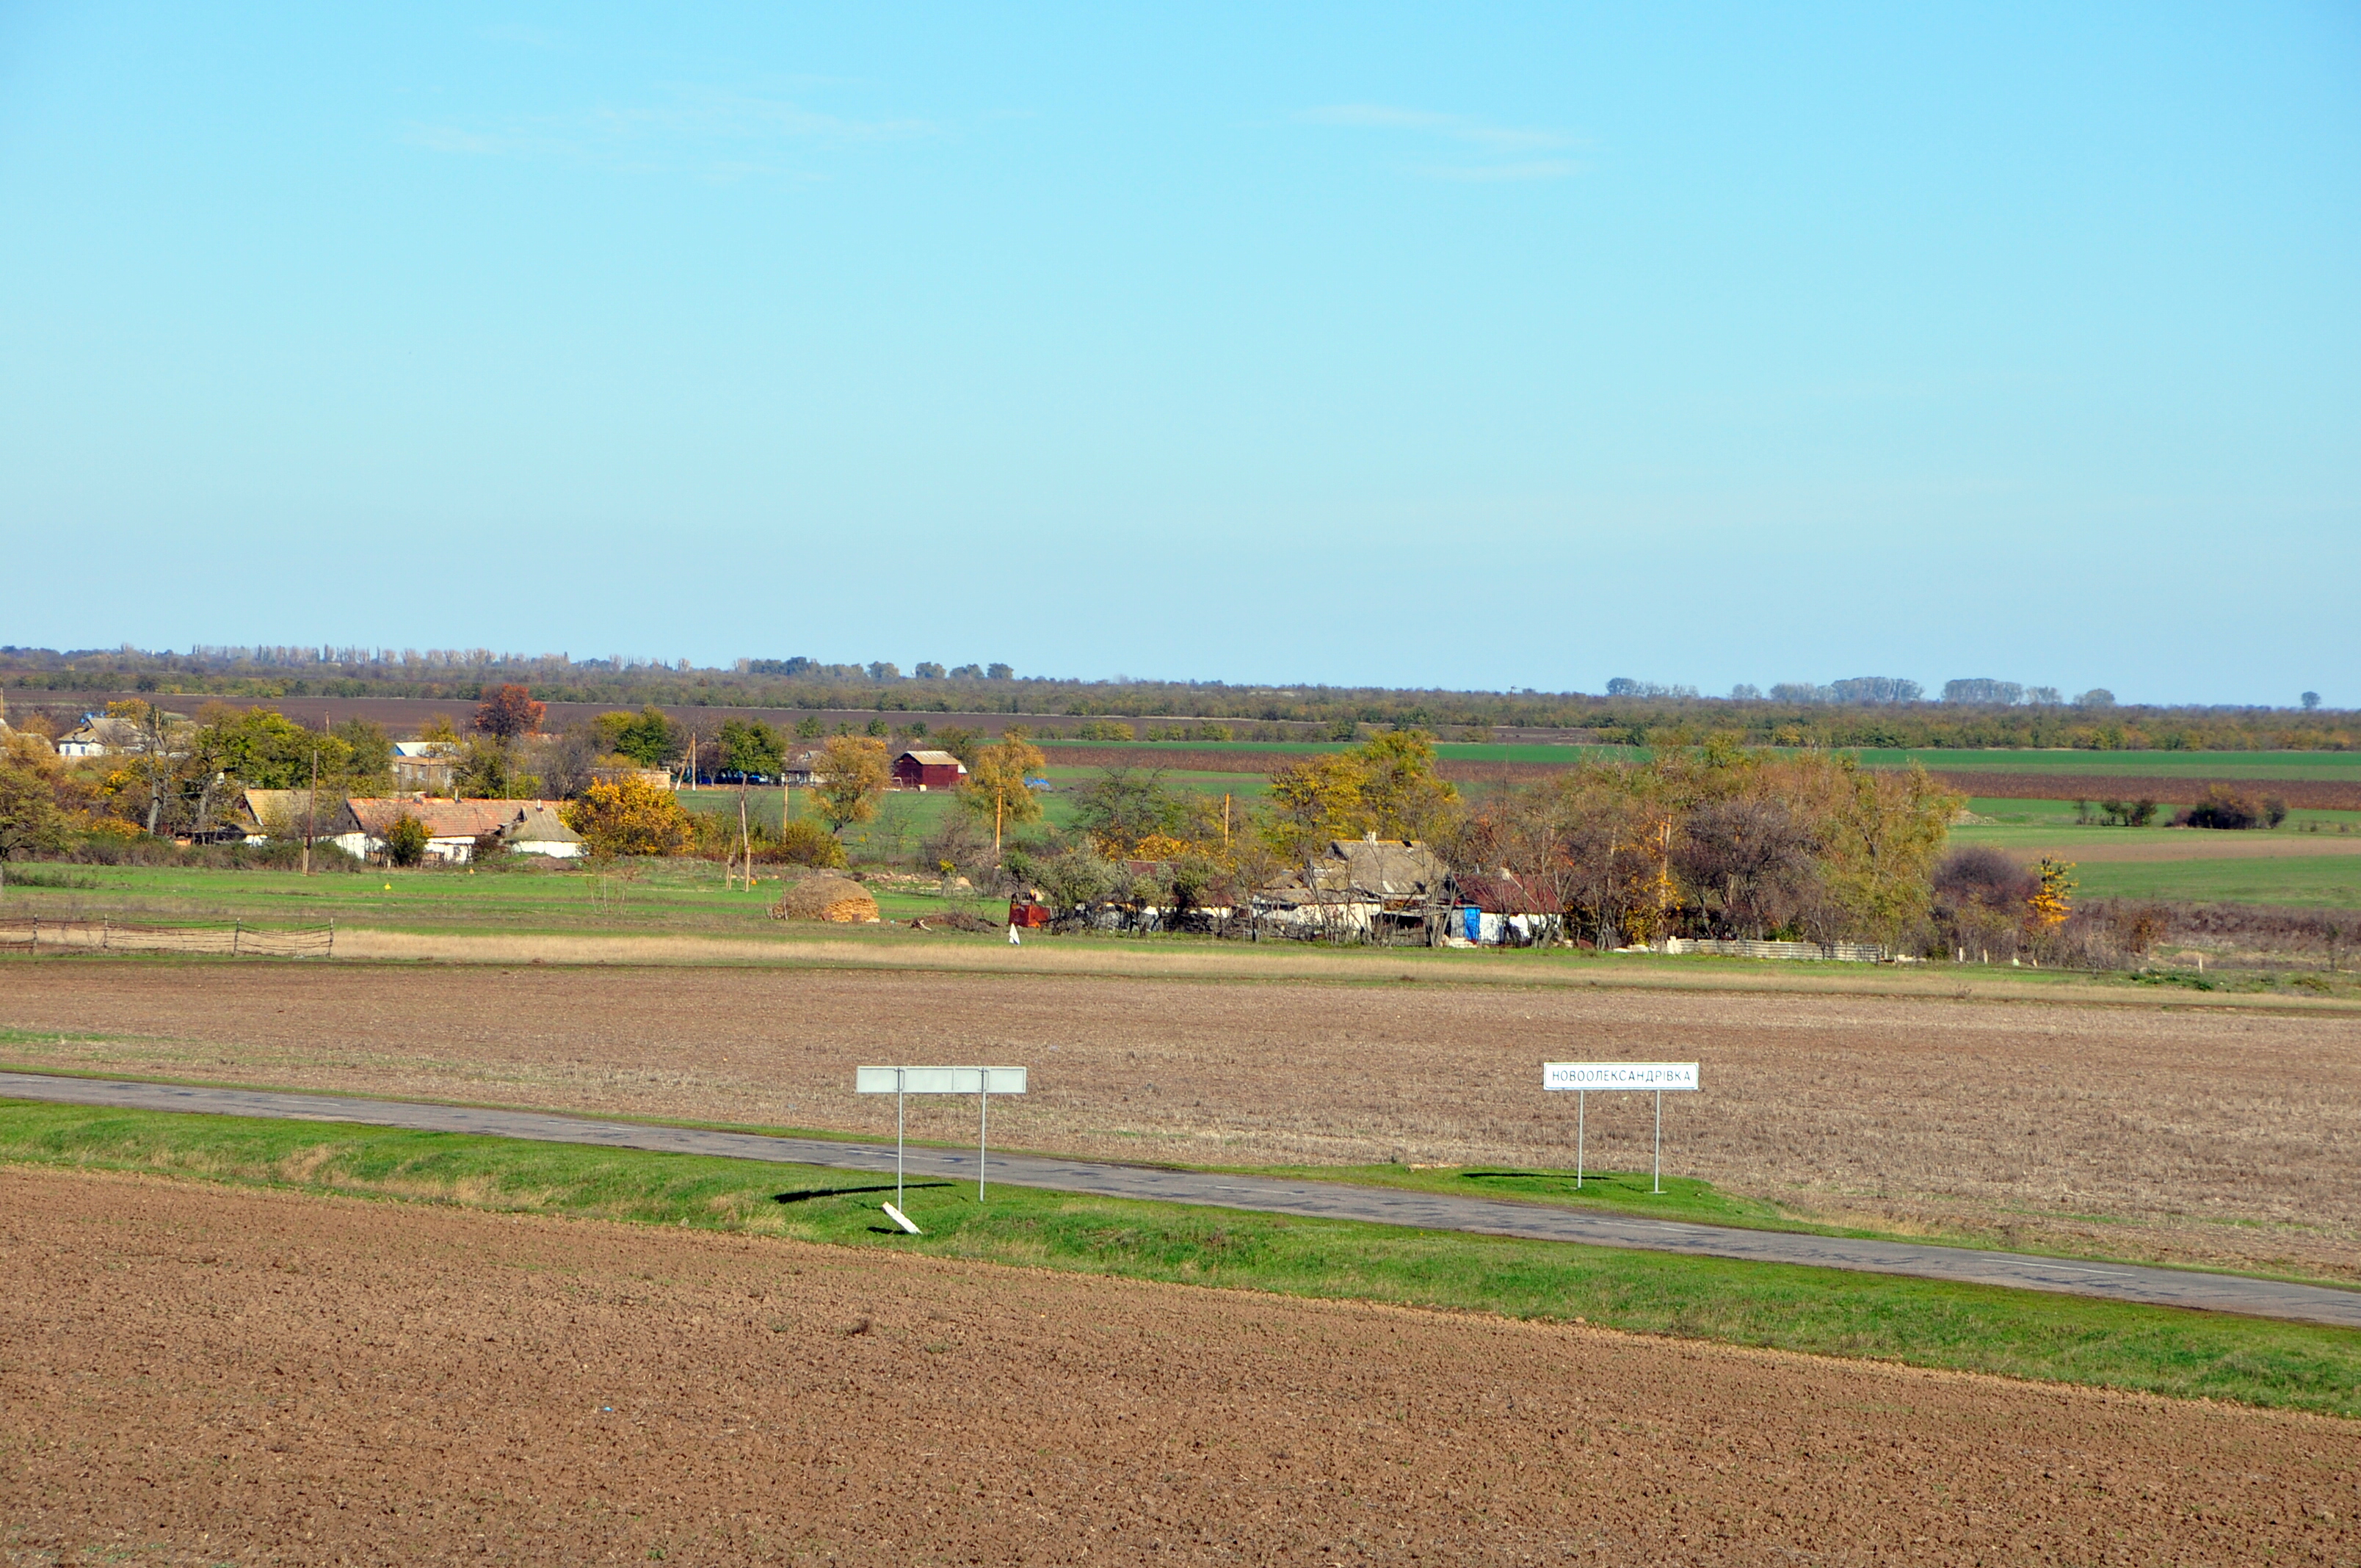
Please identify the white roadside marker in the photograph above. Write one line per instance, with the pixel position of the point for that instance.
(902, 1220)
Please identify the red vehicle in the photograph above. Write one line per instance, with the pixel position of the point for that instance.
(1027, 916)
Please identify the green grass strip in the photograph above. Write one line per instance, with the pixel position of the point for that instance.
(1923, 1323)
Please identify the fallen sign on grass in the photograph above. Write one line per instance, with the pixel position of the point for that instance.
(984, 1082)
(1583, 1077)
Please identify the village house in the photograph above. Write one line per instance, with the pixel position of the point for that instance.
(262, 815)
(453, 826)
(1365, 887)
(1497, 909)
(927, 770)
(99, 736)
(422, 765)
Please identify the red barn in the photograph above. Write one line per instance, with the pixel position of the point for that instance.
(928, 770)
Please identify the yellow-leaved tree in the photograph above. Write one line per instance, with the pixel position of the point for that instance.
(629, 817)
(995, 784)
(2054, 899)
(849, 780)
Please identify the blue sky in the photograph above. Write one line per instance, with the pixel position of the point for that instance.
(1446, 346)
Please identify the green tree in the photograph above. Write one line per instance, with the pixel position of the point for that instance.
(648, 738)
(405, 840)
(1125, 805)
(489, 768)
(1883, 832)
(262, 748)
(849, 779)
(368, 757)
(751, 747)
(996, 785)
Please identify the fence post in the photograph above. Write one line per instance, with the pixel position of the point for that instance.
(106, 933)
(235, 926)
(331, 936)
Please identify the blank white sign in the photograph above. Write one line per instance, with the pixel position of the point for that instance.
(1667, 1076)
(939, 1080)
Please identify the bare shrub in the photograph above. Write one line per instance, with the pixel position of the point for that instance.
(2222, 806)
(1982, 896)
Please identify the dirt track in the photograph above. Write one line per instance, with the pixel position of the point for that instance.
(200, 1376)
(2143, 1133)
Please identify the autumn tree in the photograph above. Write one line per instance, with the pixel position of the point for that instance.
(31, 817)
(1404, 796)
(2053, 899)
(996, 785)
(509, 713)
(1882, 831)
(1316, 800)
(629, 817)
(848, 780)
(152, 759)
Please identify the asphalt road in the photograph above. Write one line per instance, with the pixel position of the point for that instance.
(1335, 1201)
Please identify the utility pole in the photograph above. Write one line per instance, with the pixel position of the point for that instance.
(312, 812)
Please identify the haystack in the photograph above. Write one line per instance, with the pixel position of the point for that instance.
(831, 898)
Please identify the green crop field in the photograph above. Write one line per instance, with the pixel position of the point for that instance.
(1925, 1322)
(2010, 820)
(2338, 767)
(551, 896)
(2330, 766)
(2324, 883)
(1452, 750)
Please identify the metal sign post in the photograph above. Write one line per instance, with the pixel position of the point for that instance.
(984, 1082)
(1582, 1077)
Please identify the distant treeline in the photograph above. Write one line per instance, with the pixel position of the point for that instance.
(1868, 712)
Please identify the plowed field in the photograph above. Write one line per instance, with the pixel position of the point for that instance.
(202, 1376)
(2213, 1137)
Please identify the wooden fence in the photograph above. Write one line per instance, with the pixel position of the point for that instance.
(1808, 952)
(36, 934)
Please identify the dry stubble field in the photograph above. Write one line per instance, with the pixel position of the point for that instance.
(216, 1376)
(2214, 1136)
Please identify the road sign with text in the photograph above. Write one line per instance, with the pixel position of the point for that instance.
(1666, 1077)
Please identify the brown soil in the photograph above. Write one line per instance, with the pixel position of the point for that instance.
(207, 1376)
(2195, 1136)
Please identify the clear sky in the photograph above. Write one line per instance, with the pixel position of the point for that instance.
(1446, 345)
